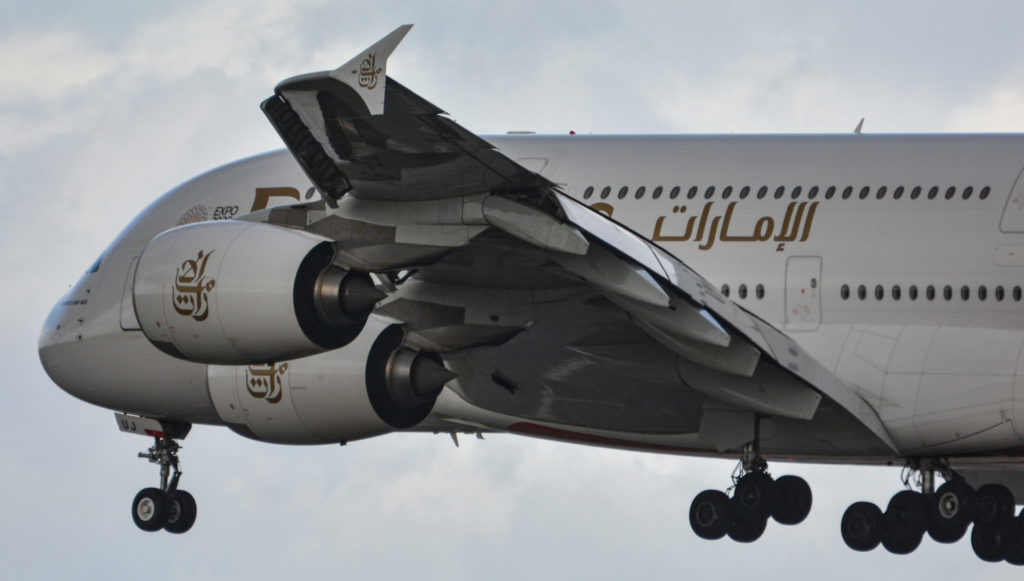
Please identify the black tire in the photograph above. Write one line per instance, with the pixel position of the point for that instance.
(747, 529)
(1013, 547)
(181, 513)
(711, 514)
(149, 509)
(907, 511)
(952, 509)
(989, 542)
(863, 526)
(792, 500)
(902, 541)
(995, 505)
(754, 495)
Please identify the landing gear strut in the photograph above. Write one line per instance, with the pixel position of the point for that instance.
(945, 514)
(756, 498)
(165, 507)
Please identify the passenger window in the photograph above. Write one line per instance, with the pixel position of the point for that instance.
(831, 191)
(844, 291)
(657, 192)
(999, 293)
(1016, 294)
(879, 292)
(847, 192)
(605, 192)
(898, 193)
(725, 290)
(623, 192)
(588, 192)
(881, 192)
(780, 191)
(813, 193)
(640, 192)
(864, 192)
(692, 193)
(726, 192)
(743, 291)
(965, 292)
(762, 192)
(912, 292)
(759, 291)
(796, 192)
(915, 193)
(710, 192)
(947, 292)
(929, 293)
(896, 292)
(862, 292)
(950, 193)
(967, 192)
(744, 192)
(984, 192)
(982, 293)
(674, 193)
(933, 192)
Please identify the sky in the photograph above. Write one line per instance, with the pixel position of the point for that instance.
(105, 105)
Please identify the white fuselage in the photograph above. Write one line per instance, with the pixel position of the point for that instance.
(945, 374)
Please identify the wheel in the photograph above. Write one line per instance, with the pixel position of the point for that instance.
(995, 505)
(907, 511)
(902, 541)
(149, 509)
(1013, 548)
(906, 519)
(754, 495)
(792, 500)
(952, 509)
(181, 513)
(711, 514)
(862, 526)
(989, 542)
(748, 529)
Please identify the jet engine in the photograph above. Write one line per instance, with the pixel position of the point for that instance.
(236, 293)
(370, 387)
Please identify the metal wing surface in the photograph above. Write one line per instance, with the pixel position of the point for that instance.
(548, 309)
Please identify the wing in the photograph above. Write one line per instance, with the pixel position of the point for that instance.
(548, 310)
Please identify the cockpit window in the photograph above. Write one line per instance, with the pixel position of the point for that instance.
(95, 266)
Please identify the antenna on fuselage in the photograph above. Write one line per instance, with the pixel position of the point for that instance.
(859, 130)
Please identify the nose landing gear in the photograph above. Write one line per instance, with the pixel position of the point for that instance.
(166, 507)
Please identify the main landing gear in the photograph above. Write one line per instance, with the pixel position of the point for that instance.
(945, 514)
(756, 497)
(165, 507)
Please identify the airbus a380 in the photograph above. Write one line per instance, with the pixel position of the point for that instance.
(834, 299)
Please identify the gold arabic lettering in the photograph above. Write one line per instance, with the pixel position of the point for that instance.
(796, 222)
(264, 381)
(368, 71)
(191, 288)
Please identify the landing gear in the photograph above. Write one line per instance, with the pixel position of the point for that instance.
(165, 507)
(756, 498)
(945, 514)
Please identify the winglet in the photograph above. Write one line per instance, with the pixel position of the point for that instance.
(366, 73)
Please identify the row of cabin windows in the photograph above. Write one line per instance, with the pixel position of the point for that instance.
(741, 291)
(795, 193)
(930, 292)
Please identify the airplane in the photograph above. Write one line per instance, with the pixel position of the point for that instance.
(843, 299)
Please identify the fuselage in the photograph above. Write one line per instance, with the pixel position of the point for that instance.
(895, 260)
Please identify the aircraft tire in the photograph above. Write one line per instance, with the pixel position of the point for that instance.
(754, 495)
(907, 511)
(792, 500)
(181, 514)
(989, 542)
(711, 514)
(952, 509)
(995, 505)
(747, 529)
(862, 526)
(149, 509)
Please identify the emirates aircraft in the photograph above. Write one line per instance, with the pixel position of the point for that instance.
(847, 299)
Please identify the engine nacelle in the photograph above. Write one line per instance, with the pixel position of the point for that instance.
(370, 387)
(236, 293)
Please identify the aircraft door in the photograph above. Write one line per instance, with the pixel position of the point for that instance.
(1013, 213)
(803, 293)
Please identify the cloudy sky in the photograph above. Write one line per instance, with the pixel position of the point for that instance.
(105, 105)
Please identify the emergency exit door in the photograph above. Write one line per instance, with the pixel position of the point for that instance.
(803, 293)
